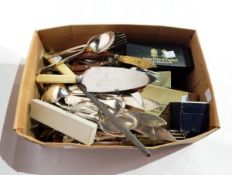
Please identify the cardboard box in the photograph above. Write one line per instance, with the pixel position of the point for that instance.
(60, 38)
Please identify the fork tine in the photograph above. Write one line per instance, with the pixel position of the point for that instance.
(178, 134)
(117, 35)
(116, 45)
(120, 39)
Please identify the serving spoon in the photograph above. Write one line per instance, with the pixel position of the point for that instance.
(97, 43)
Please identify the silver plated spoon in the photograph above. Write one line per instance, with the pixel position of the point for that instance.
(97, 43)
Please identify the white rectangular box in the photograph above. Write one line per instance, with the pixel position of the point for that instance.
(63, 121)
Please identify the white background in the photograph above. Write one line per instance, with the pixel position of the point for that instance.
(212, 20)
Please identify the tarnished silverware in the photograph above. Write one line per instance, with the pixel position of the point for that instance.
(115, 121)
(178, 134)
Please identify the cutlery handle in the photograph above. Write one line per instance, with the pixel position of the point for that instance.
(46, 78)
(79, 67)
(62, 68)
(72, 50)
(136, 61)
(90, 55)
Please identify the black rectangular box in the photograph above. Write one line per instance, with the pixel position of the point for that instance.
(192, 118)
(174, 58)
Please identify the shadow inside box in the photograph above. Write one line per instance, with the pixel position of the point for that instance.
(25, 156)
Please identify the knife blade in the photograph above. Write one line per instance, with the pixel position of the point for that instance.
(101, 79)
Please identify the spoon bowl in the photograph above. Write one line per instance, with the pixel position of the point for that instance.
(102, 42)
(108, 127)
(54, 93)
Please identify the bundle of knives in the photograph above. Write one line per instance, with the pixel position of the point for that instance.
(113, 92)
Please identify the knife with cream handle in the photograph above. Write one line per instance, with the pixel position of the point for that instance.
(101, 79)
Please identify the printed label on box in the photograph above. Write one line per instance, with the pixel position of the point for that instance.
(169, 54)
(208, 95)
